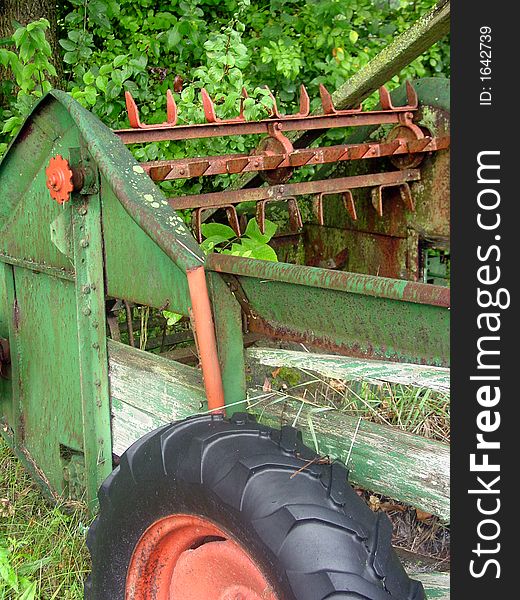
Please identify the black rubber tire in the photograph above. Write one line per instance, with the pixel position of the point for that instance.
(311, 535)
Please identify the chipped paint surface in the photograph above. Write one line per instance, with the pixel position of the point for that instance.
(351, 369)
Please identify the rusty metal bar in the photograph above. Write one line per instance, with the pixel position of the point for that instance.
(287, 190)
(204, 331)
(205, 130)
(212, 118)
(185, 168)
(382, 287)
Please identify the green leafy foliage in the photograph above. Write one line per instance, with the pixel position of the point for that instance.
(31, 67)
(113, 46)
(253, 244)
(11, 579)
(171, 317)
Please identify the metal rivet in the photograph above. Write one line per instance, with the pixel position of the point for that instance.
(82, 210)
(86, 311)
(84, 243)
(85, 289)
(95, 345)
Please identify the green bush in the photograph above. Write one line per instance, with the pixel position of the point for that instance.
(113, 46)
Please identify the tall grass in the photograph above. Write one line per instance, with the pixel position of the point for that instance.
(42, 546)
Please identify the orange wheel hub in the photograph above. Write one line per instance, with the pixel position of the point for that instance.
(59, 179)
(184, 557)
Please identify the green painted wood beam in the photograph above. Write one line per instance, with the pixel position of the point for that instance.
(345, 368)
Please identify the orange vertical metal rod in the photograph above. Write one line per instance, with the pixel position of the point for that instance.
(206, 340)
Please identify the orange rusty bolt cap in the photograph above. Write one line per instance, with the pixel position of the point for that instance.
(59, 179)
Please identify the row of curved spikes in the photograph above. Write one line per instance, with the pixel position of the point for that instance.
(304, 111)
(295, 217)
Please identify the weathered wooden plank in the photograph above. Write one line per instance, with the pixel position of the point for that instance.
(405, 48)
(148, 391)
(436, 584)
(351, 369)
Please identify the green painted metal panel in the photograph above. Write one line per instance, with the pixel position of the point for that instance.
(46, 376)
(28, 153)
(359, 315)
(91, 342)
(144, 202)
(59, 408)
(363, 325)
(137, 269)
(28, 232)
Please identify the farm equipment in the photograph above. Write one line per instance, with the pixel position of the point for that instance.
(198, 499)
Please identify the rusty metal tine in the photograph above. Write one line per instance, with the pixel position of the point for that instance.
(272, 162)
(274, 109)
(159, 173)
(358, 151)
(305, 103)
(406, 196)
(393, 146)
(236, 165)
(373, 151)
(233, 221)
(326, 101)
(404, 191)
(295, 216)
(260, 215)
(421, 144)
(171, 108)
(245, 95)
(132, 110)
(199, 168)
(197, 224)
(318, 208)
(208, 106)
(384, 98)
(377, 199)
(348, 202)
(411, 95)
(301, 157)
